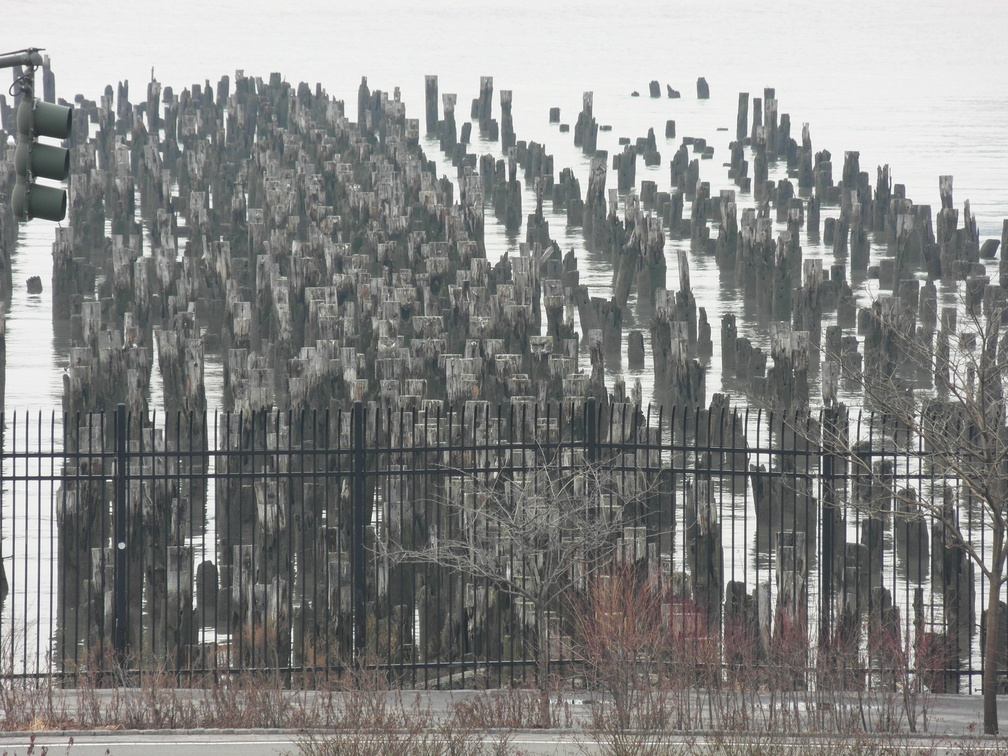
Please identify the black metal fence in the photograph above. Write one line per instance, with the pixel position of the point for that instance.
(301, 542)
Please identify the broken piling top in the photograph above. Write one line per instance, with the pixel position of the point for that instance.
(945, 191)
(484, 112)
(742, 118)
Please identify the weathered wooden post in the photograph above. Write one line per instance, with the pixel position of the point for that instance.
(791, 625)
(586, 128)
(832, 526)
(742, 119)
(431, 103)
(507, 132)
(705, 551)
(361, 517)
(595, 204)
(82, 520)
(446, 129)
(120, 540)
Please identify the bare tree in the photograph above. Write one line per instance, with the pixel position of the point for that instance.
(535, 529)
(624, 637)
(939, 393)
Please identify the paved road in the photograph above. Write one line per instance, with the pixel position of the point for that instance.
(221, 744)
(271, 744)
(152, 744)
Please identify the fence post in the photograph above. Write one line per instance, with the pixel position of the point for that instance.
(120, 579)
(591, 429)
(358, 567)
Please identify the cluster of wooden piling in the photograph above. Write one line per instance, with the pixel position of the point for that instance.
(325, 263)
(334, 268)
(791, 296)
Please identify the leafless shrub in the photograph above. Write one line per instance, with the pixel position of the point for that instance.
(975, 744)
(623, 640)
(508, 709)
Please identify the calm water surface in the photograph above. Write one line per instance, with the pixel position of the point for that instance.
(909, 85)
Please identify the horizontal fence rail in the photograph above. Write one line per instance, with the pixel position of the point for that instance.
(451, 548)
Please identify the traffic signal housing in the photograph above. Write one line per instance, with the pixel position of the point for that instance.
(37, 160)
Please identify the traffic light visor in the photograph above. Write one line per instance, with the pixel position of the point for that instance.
(47, 203)
(43, 160)
(52, 120)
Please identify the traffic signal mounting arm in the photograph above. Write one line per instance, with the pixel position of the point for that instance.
(34, 159)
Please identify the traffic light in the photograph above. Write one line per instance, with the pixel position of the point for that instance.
(37, 160)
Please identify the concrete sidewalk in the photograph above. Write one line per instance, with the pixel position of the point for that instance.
(941, 715)
(950, 717)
